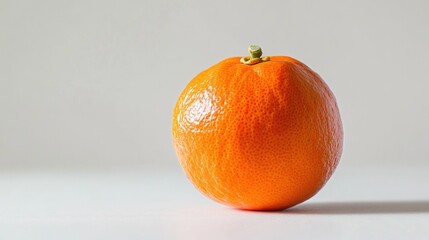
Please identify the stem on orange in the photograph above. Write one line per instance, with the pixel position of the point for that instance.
(255, 56)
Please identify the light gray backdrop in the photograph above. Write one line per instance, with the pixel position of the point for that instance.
(93, 83)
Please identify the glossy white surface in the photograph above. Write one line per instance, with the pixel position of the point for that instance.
(358, 203)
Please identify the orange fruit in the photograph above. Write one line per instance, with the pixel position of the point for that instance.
(258, 133)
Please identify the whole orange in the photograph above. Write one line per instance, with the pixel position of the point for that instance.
(258, 133)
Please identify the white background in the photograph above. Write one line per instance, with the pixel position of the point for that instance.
(89, 86)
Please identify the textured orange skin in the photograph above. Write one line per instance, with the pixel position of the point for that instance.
(258, 137)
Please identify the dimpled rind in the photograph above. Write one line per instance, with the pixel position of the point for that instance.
(259, 137)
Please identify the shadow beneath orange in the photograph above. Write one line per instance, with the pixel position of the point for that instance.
(382, 207)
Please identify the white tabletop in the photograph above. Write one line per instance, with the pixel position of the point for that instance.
(383, 202)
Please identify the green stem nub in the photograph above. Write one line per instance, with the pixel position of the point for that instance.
(255, 56)
(255, 51)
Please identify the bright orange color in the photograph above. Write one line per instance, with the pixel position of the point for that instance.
(258, 137)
